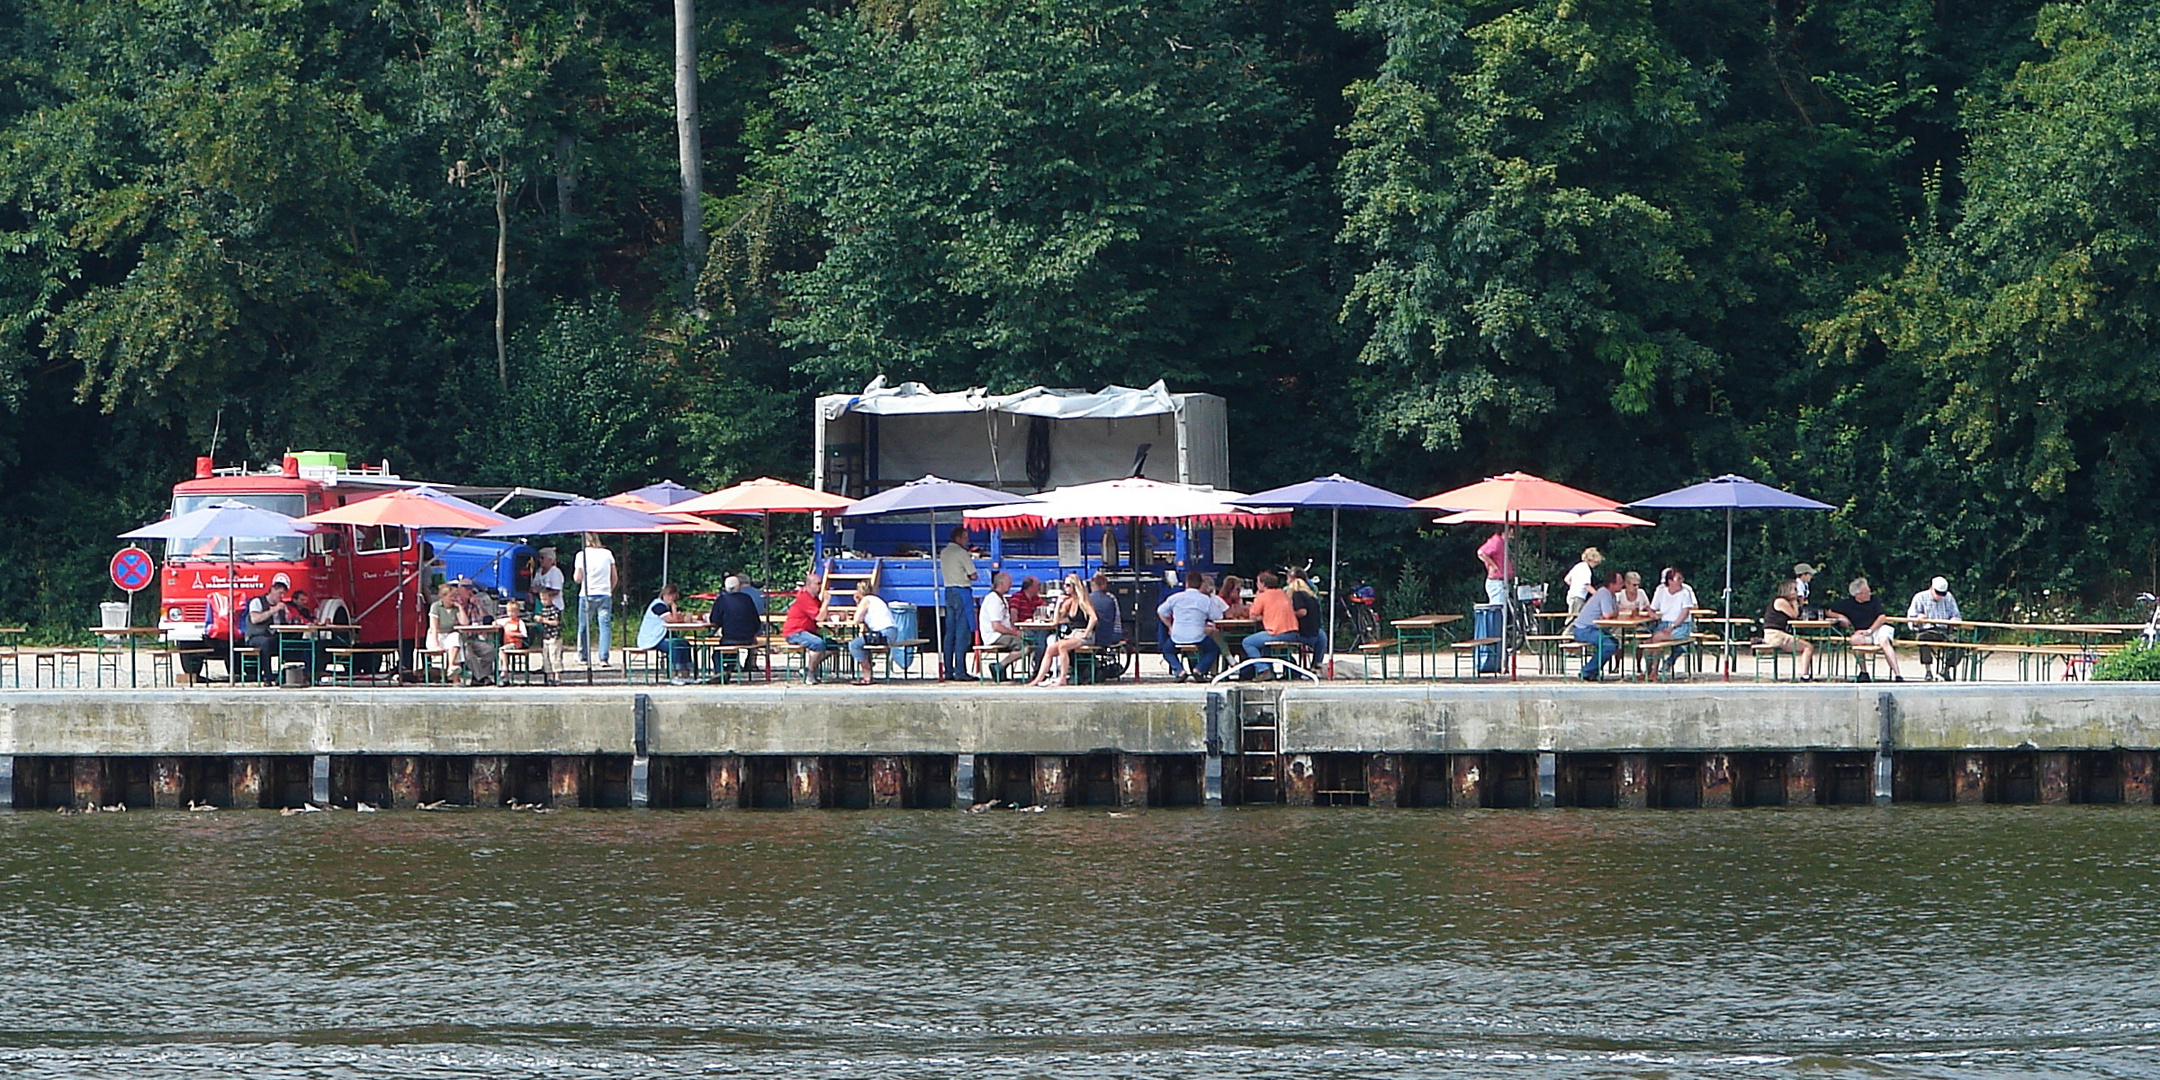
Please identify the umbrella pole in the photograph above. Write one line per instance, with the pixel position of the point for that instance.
(232, 614)
(766, 517)
(664, 539)
(1334, 549)
(1728, 596)
(1507, 558)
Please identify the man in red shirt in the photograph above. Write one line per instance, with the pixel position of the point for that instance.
(801, 626)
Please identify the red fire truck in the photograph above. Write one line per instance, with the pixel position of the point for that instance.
(366, 576)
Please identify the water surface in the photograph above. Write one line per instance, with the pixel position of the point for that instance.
(1995, 941)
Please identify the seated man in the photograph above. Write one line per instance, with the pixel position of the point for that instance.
(1188, 617)
(801, 626)
(1863, 617)
(737, 619)
(1277, 616)
(875, 619)
(1674, 602)
(1602, 604)
(272, 608)
(1027, 601)
(1935, 609)
(995, 625)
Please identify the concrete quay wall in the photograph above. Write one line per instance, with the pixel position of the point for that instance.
(1167, 719)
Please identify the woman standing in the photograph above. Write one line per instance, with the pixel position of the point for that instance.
(1581, 579)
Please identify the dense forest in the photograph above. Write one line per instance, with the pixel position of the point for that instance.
(1900, 255)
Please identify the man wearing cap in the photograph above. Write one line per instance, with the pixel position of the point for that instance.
(1803, 574)
(1931, 609)
(263, 613)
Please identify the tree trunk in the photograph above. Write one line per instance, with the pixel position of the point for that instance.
(565, 180)
(689, 145)
(502, 266)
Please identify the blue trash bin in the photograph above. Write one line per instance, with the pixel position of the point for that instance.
(903, 614)
(1485, 622)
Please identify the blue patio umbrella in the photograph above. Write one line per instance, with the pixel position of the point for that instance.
(1729, 493)
(1333, 493)
(666, 493)
(581, 516)
(931, 494)
(227, 520)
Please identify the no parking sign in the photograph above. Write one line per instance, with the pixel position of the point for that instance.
(132, 569)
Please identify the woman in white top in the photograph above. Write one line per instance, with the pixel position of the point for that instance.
(1632, 601)
(1582, 579)
(875, 617)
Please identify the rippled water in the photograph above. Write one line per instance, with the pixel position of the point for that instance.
(1992, 941)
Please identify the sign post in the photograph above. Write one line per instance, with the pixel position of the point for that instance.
(133, 571)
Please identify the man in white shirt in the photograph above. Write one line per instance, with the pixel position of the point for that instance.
(594, 572)
(1187, 617)
(1674, 602)
(875, 617)
(1933, 609)
(994, 623)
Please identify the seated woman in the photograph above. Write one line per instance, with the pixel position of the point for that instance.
(1632, 602)
(1777, 628)
(876, 626)
(1075, 629)
(442, 635)
(653, 634)
(1233, 598)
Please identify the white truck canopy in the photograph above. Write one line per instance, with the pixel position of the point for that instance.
(1036, 439)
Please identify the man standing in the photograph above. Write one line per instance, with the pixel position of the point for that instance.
(1863, 617)
(1600, 605)
(594, 572)
(996, 625)
(1277, 617)
(1498, 565)
(956, 566)
(1933, 608)
(1188, 615)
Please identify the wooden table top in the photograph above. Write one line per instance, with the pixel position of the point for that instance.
(131, 631)
(1426, 622)
(308, 628)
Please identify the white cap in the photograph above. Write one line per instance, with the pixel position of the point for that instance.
(281, 579)
(733, 583)
(1940, 585)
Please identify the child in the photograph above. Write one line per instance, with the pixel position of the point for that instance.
(513, 625)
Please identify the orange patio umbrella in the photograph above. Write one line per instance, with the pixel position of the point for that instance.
(684, 523)
(764, 497)
(1596, 519)
(1512, 495)
(406, 509)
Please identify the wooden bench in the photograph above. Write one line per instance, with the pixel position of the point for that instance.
(1469, 648)
(345, 659)
(1377, 652)
(873, 652)
(1658, 653)
(1548, 648)
(744, 658)
(1002, 661)
(515, 661)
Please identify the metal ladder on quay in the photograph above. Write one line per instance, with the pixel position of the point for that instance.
(1256, 712)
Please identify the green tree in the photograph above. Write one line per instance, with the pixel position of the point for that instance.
(1046, 191)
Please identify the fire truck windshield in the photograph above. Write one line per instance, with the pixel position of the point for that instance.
(268, 547)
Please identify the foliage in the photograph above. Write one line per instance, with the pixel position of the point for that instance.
(2137, 663)
(1896, 255)
(1051, 191)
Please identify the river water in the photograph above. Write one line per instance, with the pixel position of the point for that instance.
(1977, 941)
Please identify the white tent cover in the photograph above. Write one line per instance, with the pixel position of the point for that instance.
(982, 438)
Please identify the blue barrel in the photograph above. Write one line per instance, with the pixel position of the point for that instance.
(1485, 623)
(903, 614)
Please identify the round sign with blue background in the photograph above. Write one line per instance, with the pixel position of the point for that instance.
(132, 569)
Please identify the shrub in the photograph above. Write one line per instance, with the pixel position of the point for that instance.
(2137, 663)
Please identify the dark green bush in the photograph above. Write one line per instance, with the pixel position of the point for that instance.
(2134, 664)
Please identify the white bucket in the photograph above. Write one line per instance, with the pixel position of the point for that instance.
(112, 615)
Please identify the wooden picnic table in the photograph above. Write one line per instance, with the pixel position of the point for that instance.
(1627, 630)
(110, 635)
(1422, 631)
